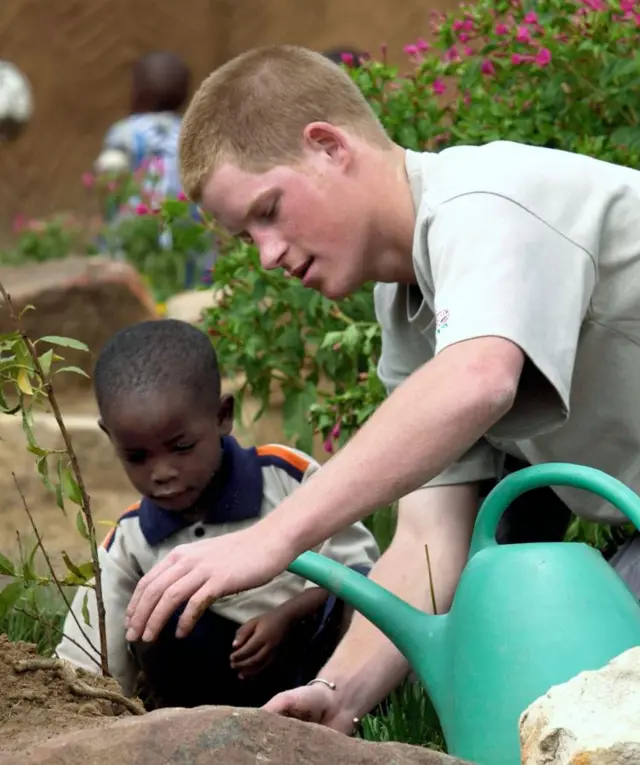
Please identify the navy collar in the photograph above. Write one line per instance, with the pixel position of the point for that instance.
(234, 494)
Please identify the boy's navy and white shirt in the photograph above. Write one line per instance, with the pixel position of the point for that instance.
(255, 481)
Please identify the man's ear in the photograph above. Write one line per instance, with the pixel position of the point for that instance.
(225, 415)
(329, 139)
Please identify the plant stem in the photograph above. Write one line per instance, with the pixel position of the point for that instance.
(84, 497)
(50, 626)
(432, 589)
(47, 559)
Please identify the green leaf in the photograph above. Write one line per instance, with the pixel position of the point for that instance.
(73, 370)
(65, 342)
(46, 360)
(70, 486)
(71, 566)
(85, 610)
(9, 596)
(6, 566)
(58, 488)
(81, 526)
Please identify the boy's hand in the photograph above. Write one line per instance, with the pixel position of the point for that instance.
(256, 642)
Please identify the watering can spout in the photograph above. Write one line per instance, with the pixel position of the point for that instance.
(408, 628)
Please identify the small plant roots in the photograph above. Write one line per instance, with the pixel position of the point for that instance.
(66, 672)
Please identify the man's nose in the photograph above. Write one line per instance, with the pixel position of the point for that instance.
(271, 253)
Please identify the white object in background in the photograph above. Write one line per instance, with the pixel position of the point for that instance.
(112, 161)
(16, 100)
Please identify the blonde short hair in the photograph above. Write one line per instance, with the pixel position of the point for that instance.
(252, 111)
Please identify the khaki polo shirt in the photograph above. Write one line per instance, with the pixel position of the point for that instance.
(251, 483)
(541, 247)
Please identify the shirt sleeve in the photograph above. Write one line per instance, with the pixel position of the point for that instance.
(498, 270)
(80, 644)
(404, 350)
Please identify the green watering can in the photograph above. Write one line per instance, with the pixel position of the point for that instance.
(524, 618)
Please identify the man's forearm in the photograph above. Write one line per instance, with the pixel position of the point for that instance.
(366, 666)
(433, 418)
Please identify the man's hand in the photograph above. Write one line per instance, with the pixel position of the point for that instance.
(200, 573)
(312, 703)
(256, 642)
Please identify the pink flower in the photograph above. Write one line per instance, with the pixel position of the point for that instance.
(543, 57)
(337, 346)
(88, 180)
(517, 58)
(468, 51)
(347, 58)
(142, 209)
(487, 67)
(451, 54)
(328, 446)
(335, 433)
(502, 29)
(523, 35)
(463, 37)
(422, 45)
(182, 197)
(467, 99)
(595, 5)
(458, 24)
(411, 50)
(19, 223)
(438, 87)
(531, 18)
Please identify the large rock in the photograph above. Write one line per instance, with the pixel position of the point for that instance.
(86, 298)
(220, 735)
(593, 719)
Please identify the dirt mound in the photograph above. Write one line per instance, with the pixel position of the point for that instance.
(41, 698)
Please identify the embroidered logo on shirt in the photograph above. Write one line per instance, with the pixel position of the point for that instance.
(442, 320)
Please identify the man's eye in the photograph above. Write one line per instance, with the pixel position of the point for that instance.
(272, 213)
(183, 447)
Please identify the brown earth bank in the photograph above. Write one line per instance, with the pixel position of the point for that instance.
(36, 704)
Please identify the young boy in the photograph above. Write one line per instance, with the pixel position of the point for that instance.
(508, 299)
(158, 389)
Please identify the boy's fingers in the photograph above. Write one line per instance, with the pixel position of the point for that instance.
(254, 663)
(251, 647)
(244, 633)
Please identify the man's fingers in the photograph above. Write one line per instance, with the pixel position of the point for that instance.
(162, 598)
(287, 704)
(147, 580)
(199, 600)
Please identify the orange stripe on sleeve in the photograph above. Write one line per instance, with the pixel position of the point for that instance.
(271, 450)
(109, 537)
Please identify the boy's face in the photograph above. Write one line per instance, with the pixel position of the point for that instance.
(169, 451)
(313, 219)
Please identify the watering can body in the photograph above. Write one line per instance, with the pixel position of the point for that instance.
(524, 618)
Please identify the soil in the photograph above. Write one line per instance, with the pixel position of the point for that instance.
(37, 704)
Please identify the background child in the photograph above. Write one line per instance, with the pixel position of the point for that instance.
(146, 143)
(158, 389)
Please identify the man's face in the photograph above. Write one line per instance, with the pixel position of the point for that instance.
(169, 451)
(310, 219)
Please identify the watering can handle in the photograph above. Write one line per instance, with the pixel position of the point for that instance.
(550, 474)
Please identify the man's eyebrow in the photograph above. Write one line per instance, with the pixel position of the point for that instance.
(256, 203)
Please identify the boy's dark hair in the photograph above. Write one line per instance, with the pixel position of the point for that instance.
(160, 355)
(160, 82)
(338, 55)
